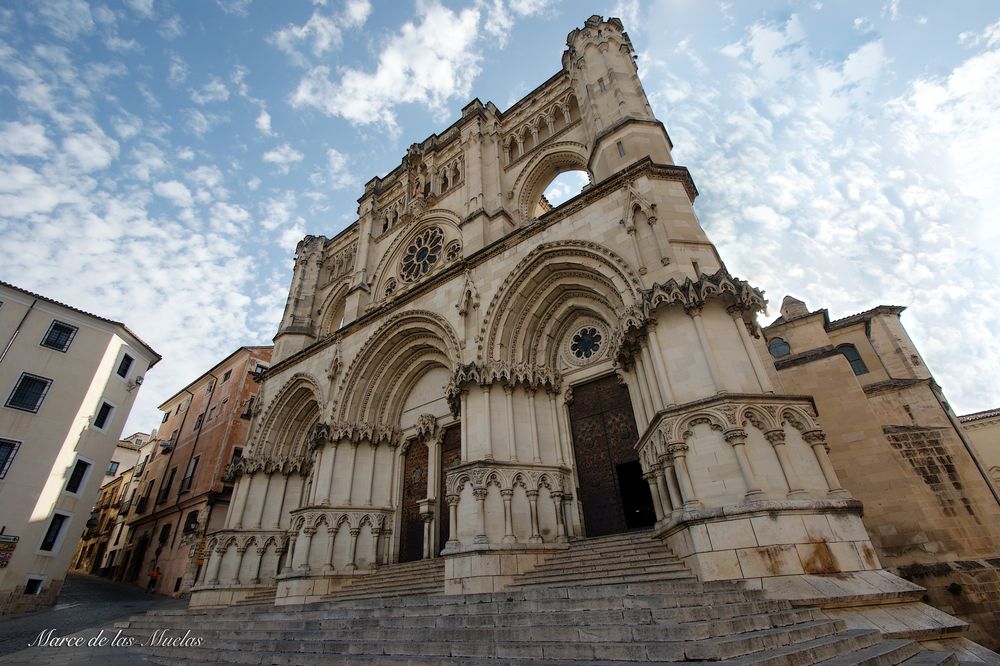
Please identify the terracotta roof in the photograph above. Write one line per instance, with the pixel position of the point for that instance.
(980, 416)
(865, 316)
(157, 358)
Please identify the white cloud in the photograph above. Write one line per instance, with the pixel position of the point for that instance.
(26, 139)
(283, 156)
(356, 12)
(143, 8)
(263, 122)
(175, 192)
(235, 7)
(338, 175)
(172, 28)
(628, 12)
(321, 33)
(199, 122)
(178, 71)
(68, 19)
(92, 150)
(120, 45)
(213, 91)
(428, 62)
(126, 125)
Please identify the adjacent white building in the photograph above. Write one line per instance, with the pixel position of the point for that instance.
(68, 380)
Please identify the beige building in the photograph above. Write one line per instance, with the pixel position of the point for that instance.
(68, 380)
(468, 373)
(983, 431)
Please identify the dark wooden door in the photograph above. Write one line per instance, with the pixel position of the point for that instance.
(411, 538)
(614, 495)
(451, 451)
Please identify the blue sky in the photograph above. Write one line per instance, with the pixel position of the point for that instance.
(159, 159)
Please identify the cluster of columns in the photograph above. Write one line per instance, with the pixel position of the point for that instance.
(509, 444)
(670, 481)
(322, 490)
(563, 505)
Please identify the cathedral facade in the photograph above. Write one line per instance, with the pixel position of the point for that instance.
(469, 373)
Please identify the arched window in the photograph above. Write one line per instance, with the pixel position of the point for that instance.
(778, 348)
(850, 352)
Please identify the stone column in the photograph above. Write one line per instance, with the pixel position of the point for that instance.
(759, 371)
(554, 423)
(376, 541)
(352, 565)
(678, 451)
(509, 406)
(433, 463)
(350, 473)
(241, 501)
(655, 394)
(263, 503)
(281, 508)
(777, 440)
(488, 430)
(289, 561)
(654, 492)
(260, 561)
(307, 540)
(661, 487)
(453, 541)
(428, 533)
(464, 399)
(533, 422)
(630, 229)
(817, 440)
(645, 389)
(670, 478)
(480, 495)
(659, 365)
(214, 563)
(560, 527)
(533, 503)
(325, 479)
(567, 509)
(313, 497)
(239, 565)
(706, 349)
(331, 535)
(508, 519)
(371, 473)
(737, 438)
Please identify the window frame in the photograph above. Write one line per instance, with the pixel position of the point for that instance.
(60, 537)
(848, 347)
(112, 472)
(108, 420)
(41, 398)
(69, 340)
(9, 460)
(780, 340)
(83, 480)
(31, 578)
(128, 370)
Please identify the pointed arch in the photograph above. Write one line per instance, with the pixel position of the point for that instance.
(289, 418)
(331, 314)
(539, 171)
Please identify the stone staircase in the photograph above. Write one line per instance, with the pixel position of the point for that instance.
(602, 601)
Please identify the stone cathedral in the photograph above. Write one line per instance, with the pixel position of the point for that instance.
(470, 375)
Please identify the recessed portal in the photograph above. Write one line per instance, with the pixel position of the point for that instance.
(614, 495)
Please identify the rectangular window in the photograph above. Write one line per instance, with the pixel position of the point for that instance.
(621, 149)
(142, 465)
(165, 490)
(59, 336)
(8, 449)
(55, 530)
(125, 366)
(112, 468)
(77, 476)
(600, 84)
(165, 417)
(189, 475)
(225, 377)
(29, 392)
(198, 421)
(103, 415)
(211, 413)
(33, 586)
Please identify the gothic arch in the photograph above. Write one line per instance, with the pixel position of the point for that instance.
(332, 311)
(553, 282)
(539, 171)
(289, 418)
(405, 346)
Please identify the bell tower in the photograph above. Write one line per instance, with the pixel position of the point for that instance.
(600, 61)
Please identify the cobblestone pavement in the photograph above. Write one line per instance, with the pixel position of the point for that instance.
(86, 605)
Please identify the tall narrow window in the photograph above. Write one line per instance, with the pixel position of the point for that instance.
(8, 449)
(112, 468)
(52, 534)
(850, 352)
(59, 336)
(125, 365)
(77, 476)
(188, 475)
(600, 84)
(29, 392)
(103, 415)
(225, 377)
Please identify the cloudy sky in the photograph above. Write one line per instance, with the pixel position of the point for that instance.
(159, 159)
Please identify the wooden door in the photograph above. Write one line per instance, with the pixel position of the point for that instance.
(614, 495)
(451, 451)
(411, 538)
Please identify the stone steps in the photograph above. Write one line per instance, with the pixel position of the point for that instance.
(612, 600)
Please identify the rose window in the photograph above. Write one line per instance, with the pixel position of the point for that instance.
(423, 253)
(586, 343)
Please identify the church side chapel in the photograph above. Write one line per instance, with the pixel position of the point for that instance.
(470, 379)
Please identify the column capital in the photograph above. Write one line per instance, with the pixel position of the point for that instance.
(814, 437)
(532, 494)
(355, 531)
(479, 493)
(507, 493)
(775, 437)
(677, 449)
(453, 500)
(736, 436)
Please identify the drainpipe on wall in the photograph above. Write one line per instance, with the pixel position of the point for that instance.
(17, 330)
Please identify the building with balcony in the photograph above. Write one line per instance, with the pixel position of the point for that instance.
(68, 380)
(179, 490)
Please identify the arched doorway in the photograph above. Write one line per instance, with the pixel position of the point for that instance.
(614, 495)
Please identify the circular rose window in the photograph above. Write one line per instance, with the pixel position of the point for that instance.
(586, 342)
(423, 253)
